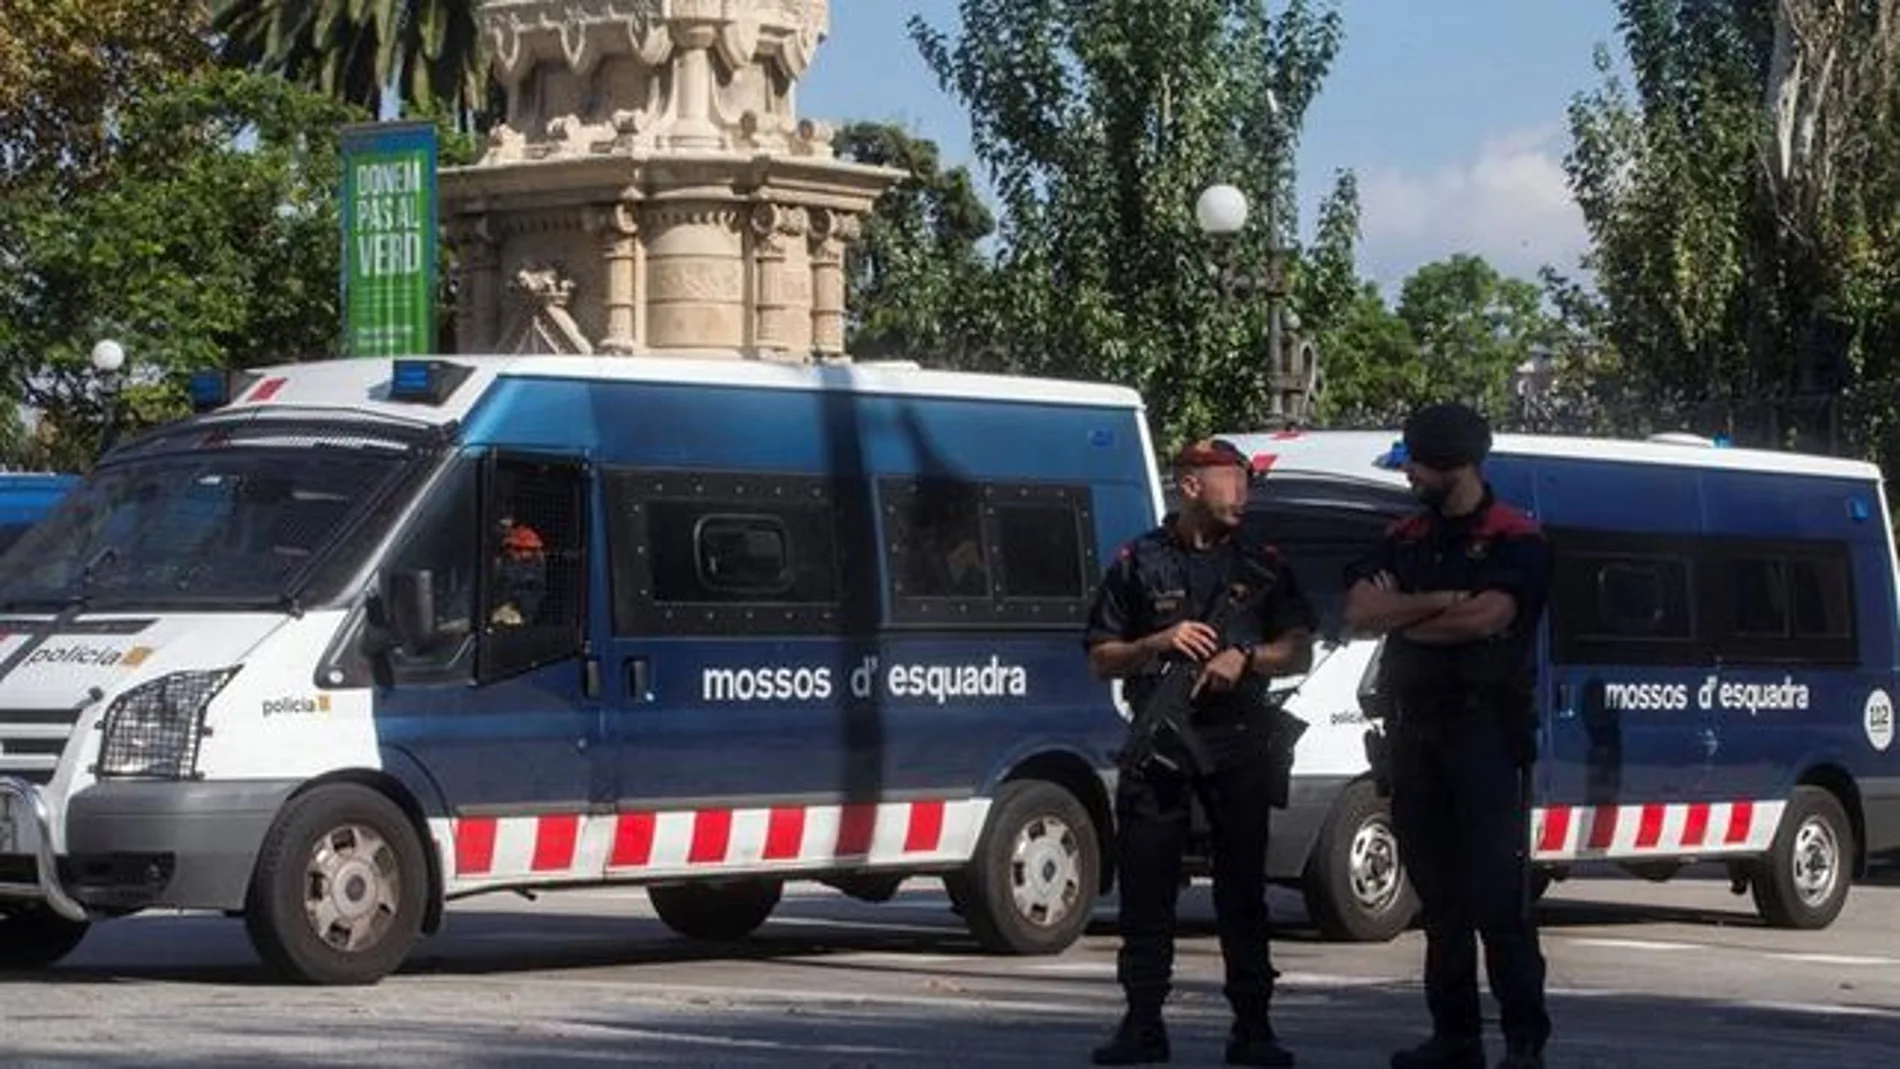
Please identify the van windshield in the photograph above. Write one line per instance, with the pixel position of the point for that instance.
(222, 528)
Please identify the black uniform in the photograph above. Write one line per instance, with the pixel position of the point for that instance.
(1462, 738)
(1157, 581)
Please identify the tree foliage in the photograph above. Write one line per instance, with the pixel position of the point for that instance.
(1100, 121)
(429, 50)
(1742, 201)
(68, 66)
(917, 279)
(189, 248)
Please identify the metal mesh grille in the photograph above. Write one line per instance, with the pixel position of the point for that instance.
(155, 729)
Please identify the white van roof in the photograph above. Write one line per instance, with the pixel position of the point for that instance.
(362, 384)
(1355, 454)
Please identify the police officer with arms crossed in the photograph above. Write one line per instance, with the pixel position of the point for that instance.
(1458, 590)
(1152, 604)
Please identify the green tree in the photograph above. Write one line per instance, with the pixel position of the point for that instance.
(1742, 202)
(208, 239)
(68, 66)
(430, 51)
(917, 279)
(1099, 122)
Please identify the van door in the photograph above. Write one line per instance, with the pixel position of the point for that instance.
(498, 712)
(1625, 651)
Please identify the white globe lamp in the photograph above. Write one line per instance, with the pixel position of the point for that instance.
(108, 356)
(1221, 210)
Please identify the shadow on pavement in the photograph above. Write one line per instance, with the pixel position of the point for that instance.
(1352, 1026)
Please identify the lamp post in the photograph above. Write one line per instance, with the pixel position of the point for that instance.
(108, 357)
(1221, 212)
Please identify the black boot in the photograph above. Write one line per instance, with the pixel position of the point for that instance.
(1139, 1040)
(1440, 1052)
(1519, 1054)
(1253, 1043)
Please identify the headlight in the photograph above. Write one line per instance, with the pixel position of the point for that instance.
(153, 730)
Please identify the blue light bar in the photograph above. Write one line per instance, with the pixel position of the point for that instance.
(428, 382)
(209, 390)
(1394, 458)
(1722, 441)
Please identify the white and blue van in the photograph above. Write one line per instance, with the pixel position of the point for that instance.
(363, 637)
(1717, 666)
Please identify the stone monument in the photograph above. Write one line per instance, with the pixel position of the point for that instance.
(652, 187)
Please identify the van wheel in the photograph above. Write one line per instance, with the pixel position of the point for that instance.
(1803, 881)
(340, 888)
(1032, 885)
(1355, 887)
(34, 937)
(716, 912)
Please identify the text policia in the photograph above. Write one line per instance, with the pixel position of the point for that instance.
(940, 683)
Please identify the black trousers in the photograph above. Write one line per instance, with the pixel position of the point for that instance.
(1152, 823)
(1461, 812)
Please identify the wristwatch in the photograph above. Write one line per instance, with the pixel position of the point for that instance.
(1246, 655)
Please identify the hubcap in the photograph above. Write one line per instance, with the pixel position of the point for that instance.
(1816, 859)
(351, 888)
(1046, 871)
(1373, 866)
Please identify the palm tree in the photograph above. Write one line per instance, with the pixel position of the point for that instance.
(429, 52)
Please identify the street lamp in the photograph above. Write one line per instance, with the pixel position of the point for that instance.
(108, 357)
(1221, 212)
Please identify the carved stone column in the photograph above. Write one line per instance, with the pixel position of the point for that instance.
(695, 276)
(478, 306)
(831, 231)
(781, 280)
(617, 226)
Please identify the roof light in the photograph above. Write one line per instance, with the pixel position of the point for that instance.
(1393, 459)
(428, 382)
(215, 387)
(1721, 441)
(1263, 462)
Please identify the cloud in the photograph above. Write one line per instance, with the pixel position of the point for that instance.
(1510, 204)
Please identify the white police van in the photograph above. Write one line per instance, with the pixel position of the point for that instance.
(362, 637)
(1717, 666)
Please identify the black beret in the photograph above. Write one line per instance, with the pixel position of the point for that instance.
(1447, 435)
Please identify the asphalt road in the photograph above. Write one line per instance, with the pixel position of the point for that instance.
(1672, 975)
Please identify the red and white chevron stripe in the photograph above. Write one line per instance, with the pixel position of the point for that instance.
(1561, 833)
(566, 847)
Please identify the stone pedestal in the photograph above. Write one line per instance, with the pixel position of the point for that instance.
(652, 189)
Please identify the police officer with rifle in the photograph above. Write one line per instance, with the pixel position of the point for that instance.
(1197, 617)
(1457, 589)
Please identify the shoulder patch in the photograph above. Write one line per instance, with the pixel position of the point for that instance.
(1504, 521)
(1412, 527)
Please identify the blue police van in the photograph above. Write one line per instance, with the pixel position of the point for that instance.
(1717, 666)
(363, 637)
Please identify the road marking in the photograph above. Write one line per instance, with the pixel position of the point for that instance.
(1837, 959)
(1633, 944)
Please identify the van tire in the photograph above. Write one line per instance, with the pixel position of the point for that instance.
(723, 912)
(1803, 880)
(35, 937)
(1354, 885)
(374, 869)
(1031, 887)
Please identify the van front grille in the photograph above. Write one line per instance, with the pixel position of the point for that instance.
(31, 741)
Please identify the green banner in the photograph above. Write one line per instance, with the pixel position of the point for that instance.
(389, 228)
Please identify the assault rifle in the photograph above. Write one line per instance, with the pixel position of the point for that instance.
(1167, 714)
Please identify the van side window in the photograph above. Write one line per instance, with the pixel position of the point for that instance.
(440, 545)
(713, 553)
(1623, 599)
(1320, 541)
(961, 552)
(1783, 602)
(534, 552)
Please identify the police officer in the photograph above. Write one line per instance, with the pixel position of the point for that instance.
(1151, 605)
(1458, 590)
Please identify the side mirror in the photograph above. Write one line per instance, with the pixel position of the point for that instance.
(410, 610)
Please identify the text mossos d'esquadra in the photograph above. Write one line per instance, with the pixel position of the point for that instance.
(1785, 696)
(937, 682)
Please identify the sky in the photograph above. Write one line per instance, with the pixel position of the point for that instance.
(1450, 112)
